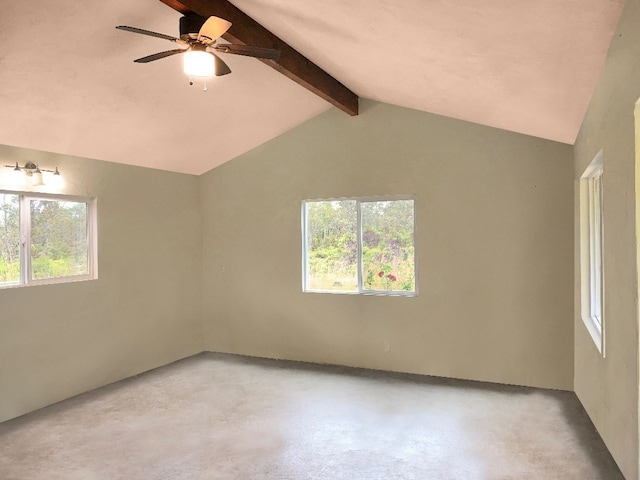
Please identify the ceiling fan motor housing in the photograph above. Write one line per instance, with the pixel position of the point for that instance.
(190, 24)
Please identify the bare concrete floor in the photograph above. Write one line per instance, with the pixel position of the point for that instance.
(219, 416)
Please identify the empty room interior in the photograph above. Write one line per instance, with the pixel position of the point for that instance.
(377, 239)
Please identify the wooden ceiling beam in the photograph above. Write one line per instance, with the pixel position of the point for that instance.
(292, 64)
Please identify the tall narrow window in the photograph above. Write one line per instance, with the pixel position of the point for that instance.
(359, 245)
(591, 239)
(46, 239)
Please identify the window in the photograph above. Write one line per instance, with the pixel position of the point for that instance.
(591, 235)
(359, 245)
(46, 239)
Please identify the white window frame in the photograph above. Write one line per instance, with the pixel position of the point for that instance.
(26, 278)
(591, 251)
(361, 290)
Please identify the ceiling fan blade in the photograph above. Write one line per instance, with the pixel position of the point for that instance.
(221, 67)
(212, 29)
(247, 50)
(146, 32)
(158, 56)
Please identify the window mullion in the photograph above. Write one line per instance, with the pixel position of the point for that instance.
(598, 240)
(28, 253)
(594, 245)
(89, 232)
(305, 248)
(359, 241)
(25, 240)
(600, 244)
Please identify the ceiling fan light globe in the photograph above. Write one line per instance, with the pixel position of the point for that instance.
(199, 64)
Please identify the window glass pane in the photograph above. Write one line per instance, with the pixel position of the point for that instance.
(332, 246)
(595, 227)
(58, 239)
(388, 252)
(9, 238)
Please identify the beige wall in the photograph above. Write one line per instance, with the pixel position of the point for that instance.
(143, 311)
(495, 240)
(608, 387)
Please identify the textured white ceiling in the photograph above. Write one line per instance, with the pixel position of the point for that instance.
(68, 83)
(521, 65)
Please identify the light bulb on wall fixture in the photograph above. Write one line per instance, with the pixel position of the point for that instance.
(36, 177)
(17, 177)
(56, 179)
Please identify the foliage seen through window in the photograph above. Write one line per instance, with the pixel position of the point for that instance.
(55, 236)
(355, 245)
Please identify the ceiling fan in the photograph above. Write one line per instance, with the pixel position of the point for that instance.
(199, 35)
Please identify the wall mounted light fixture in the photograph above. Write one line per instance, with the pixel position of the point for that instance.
(31, 174)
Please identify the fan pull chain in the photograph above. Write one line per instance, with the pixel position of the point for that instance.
(204, 84)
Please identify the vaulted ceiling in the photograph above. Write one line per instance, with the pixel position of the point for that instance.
(68, 83)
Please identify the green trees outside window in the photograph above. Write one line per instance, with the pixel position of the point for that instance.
(58, 239)
(332, 245)
(360, 245)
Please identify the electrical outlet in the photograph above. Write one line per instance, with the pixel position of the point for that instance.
(386, 346)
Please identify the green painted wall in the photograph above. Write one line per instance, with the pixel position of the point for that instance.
(608, 387)
(143, 311)
(494, 213)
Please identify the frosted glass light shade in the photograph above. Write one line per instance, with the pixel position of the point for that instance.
(56, 180)
(36, 178)
(17, 176)
(199, 64)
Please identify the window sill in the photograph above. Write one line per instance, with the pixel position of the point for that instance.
(375, 293)
(49, 281)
